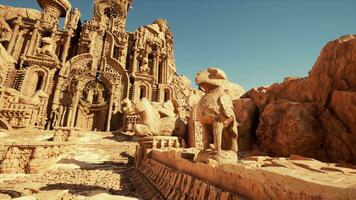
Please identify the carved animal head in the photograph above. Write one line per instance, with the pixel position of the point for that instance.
(142, 105)
(210, 79)
(127, 106)
(138, 107)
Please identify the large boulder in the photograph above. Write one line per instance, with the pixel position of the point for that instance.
(290, 128)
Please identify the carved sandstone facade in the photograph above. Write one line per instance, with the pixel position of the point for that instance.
(81, 73)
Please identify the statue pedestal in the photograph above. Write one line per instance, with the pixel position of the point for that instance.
(149, 143)
(212, 157)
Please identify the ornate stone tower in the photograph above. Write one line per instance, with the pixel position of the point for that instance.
(112, 14)
(53, 10)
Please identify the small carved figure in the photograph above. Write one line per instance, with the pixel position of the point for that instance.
(47, 48)
(116, 107)
(56, 115)
(144, 64)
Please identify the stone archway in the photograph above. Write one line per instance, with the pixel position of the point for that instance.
(76, 94)
(93, 107)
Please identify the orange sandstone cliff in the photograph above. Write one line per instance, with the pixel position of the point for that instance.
(313, 116)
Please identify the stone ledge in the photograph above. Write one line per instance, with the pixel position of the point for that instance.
(258, 183)
(175, 185)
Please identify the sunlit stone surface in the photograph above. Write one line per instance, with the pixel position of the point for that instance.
(90, 111)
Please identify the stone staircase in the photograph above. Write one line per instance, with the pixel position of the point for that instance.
(118, 155)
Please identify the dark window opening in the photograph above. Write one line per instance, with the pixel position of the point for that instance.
(167, 95)
(132, 80)
(110, 12)
(46, 34)
(160, 73)
(60, 50)
(143, 92)
(25, 44)
(116, 53)
(39, 83)
(5, 44)
(128, 62)
(139, 63)
(150, 61)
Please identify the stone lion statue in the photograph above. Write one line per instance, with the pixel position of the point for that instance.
(155, 120)
(215, 110)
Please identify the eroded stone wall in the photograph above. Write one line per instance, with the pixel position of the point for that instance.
(31, 157)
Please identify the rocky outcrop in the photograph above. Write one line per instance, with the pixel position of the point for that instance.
(313, 116)
(246, 113)
(291, 128)
(176, 175)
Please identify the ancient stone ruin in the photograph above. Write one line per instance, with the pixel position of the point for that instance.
(91, 111)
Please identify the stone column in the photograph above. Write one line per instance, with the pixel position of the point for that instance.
(92, 44)
(69, 118)
(54, 31)
(74, 107)
(134, 61)
(32, 47)
(66, 46)
(108, 124)
(14, 36)
(155, 66)
(166, 70)
(57, 91)
(163, 69)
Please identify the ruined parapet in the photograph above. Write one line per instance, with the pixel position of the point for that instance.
(130, 121)
(31, 157)
(147, 144)
(65, 134)
(175, 185)
(176, 176)
(20, 111)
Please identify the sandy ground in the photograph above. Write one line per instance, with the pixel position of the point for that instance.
(98, 166)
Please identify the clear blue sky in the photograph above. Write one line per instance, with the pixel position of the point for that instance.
(257, 42)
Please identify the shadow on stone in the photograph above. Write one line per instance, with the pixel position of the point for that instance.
(83, 190)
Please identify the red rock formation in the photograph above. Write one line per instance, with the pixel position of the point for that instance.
(313, 116)
(246, 112)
